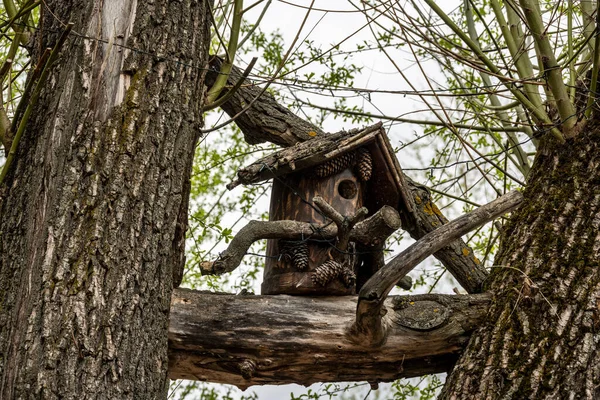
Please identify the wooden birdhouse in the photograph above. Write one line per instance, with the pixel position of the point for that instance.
(339, 174)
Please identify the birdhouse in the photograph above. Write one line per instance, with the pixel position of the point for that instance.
(347, 171)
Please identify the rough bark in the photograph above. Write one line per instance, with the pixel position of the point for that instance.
(369, 326)
(540, 340)
(257, 340)
(266, 120)
(93, 213)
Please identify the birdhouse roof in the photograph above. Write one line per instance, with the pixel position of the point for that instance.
(388, 184)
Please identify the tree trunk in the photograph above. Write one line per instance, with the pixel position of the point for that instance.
(541, 336)
(93, 212)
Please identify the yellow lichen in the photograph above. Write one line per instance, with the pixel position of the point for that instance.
(436, 210)
(466, 251)
(428, 208)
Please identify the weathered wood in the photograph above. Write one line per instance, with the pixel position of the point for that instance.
(371, 232)
(423, 215)
(344, 223)
(266, 120)
(292, 198)
(258, 340)
(305, 155)
(369, 327)
(457, 257)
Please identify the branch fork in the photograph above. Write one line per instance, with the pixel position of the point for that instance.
(369, 326)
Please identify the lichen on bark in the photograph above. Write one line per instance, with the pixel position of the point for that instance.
(541, 335)
(93, 213)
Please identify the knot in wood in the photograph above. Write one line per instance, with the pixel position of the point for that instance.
(247, 369)
(422, 315)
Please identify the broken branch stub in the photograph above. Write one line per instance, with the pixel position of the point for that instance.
(368, 326)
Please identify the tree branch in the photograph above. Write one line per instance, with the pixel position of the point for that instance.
(259, 340)
(266, 120)
(551, 69)
(369, 327)
(371, 232)
(344, 223)
(269, 121)
(457, 257)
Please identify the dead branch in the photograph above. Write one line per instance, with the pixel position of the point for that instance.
(371, 232)
(368, 327)
(258, 340)
(344, 223)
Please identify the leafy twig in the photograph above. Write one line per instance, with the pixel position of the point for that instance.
(232, 47)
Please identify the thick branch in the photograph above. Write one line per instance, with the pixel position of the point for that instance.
(258, 340)
(457, 257)
(269, 121)
(371, 232)
(266, 120)
(369, 312)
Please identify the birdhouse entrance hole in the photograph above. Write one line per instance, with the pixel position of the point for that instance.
(347, 189)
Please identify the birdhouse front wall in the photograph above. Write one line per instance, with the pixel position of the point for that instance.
(291, 199)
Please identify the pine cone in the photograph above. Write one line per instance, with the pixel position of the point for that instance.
(326, 272)
(295, 252)
(300, 256)
(348, 277)
(364, 166)
(335, 165)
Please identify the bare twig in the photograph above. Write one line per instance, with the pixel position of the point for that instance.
(539, 114)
